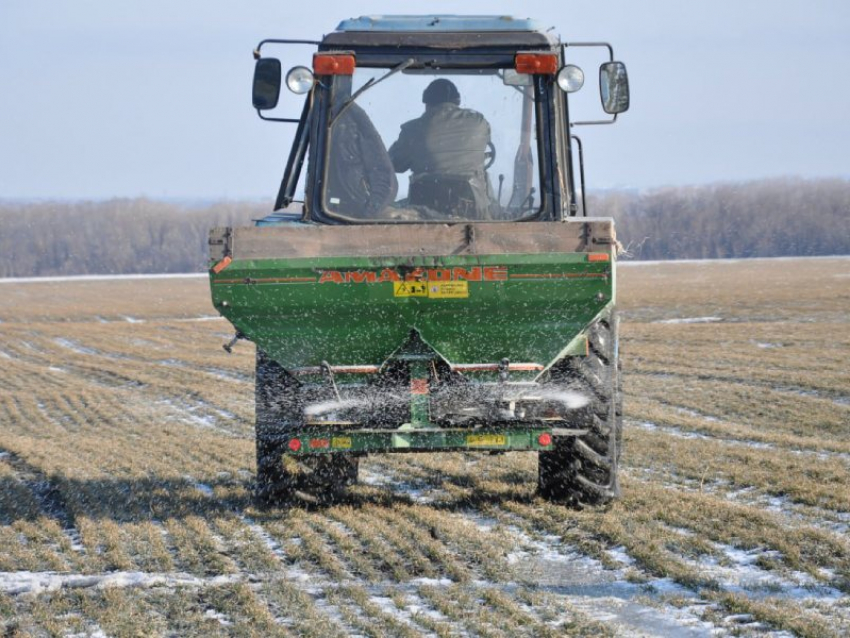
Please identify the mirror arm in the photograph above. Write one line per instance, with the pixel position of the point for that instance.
(590, 44)
(610, 59)
(291, 120)
(270, 41)
(595, 122)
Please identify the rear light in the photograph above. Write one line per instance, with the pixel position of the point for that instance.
(598, 257)
(545, 439)
(540, 63)
(324, 64)
(294, 445)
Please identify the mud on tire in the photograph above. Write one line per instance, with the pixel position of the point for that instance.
(583, 470)
(317, 479)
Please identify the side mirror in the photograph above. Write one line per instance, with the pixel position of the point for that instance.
(614, 87)
(266, 91)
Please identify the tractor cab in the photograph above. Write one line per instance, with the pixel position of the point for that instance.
(432, 119)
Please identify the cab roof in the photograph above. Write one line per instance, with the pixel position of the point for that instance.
(436, 23)
(440, 31)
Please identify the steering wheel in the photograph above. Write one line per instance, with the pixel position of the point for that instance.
(489, 155)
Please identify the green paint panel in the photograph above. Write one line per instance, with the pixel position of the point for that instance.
(540, 303)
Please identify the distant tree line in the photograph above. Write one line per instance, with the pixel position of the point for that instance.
(770, 218)
(754, 219)
(118, 236)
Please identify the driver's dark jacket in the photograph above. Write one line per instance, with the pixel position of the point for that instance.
(361, 180)
(446, 140)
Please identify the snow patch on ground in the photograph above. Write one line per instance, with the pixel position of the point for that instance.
(75, 540)
(201, 318)
(26, 582)
(737, 569)
(698, 415)
(93, 631)
(74, 346)
(690, 320)
(605, 594)
(200, 414)
(223, 619)
(50, 280)
(203, 488)
(672, 431)
(796, 513)
(842, 401)
(416, 606)
(219, 373)
(418, 492)
(730, 262)
(757, 445)
(271, 544)
(227, 375)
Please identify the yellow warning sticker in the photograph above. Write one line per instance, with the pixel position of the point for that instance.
(432, 289)
(341, 442)
(410, 288)
(486, 440)
(448, 289)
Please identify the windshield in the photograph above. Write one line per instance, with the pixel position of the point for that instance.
(432, 146)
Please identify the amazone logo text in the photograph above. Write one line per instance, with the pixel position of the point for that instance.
(476, 273)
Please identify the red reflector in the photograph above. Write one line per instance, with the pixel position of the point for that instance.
(319, 443)
(544, 439)
(598, 257)
(294, 445)
(333, 64)
(419, 386)
(536, 63)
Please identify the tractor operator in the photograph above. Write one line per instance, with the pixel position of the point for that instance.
(444, 149)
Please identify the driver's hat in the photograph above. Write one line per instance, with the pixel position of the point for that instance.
(440, 91)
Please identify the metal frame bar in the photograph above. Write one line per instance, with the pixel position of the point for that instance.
(297, 154)
(276, 41)
(340, 441)
(610, 59)
(581, 172)
(458, 367)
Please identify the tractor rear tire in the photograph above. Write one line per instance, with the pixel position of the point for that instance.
(315, 478)
(273, 484)
(584, 470)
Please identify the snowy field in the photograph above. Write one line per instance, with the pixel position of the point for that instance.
(126, 467)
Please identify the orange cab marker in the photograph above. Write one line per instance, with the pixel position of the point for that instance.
(536, 63)
(333, 64)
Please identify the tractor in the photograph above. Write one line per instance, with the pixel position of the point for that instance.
(429, 280)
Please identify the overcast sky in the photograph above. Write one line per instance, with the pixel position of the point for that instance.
(103, 98)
